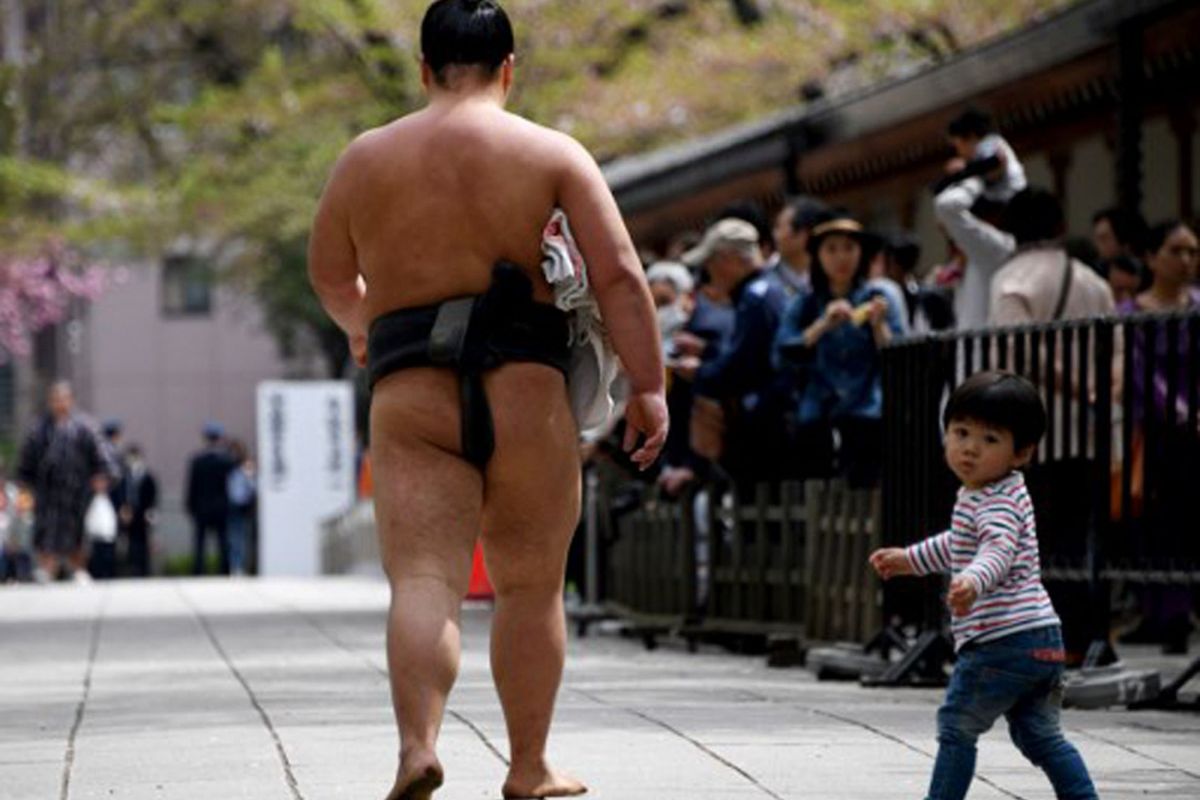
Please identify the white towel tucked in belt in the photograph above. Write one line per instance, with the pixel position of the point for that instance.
(594, 365)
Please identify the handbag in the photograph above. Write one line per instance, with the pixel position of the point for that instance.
(100, 521)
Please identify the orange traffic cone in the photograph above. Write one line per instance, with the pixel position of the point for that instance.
(480, 587)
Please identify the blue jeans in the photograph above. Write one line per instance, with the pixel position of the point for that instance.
(238, 530)
(1020, 677)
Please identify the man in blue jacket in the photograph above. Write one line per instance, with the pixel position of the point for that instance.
(741, 377)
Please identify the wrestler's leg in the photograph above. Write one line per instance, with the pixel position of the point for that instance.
(427, 503)
(532, 507)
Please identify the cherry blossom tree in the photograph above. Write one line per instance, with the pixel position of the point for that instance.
(38, 291)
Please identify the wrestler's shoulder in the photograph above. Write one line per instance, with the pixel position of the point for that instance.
(357, 157)
(375, 139)
(548, 139)
(509, 132)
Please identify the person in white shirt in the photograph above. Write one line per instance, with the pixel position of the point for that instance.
(986, 246)
(1042, 283)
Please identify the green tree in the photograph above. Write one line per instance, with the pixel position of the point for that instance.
(126, 124)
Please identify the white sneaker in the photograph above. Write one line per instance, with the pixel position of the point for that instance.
(41, 576)
(82, 577)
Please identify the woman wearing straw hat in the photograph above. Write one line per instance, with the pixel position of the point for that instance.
(835, 333)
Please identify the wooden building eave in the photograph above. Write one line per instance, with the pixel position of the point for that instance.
(1058, 71)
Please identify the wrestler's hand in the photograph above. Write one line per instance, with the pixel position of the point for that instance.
(358, 348)
(646, 416)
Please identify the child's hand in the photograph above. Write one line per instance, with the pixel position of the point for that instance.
(891, 562)
(962, 596)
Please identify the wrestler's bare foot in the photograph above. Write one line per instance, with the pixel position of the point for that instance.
(420, 776)
(542, 782)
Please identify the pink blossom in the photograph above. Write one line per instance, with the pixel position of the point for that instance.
(37, 291)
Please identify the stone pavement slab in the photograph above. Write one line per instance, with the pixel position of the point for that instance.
(277, 690)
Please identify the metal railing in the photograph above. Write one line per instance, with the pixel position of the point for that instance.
(1110, 482)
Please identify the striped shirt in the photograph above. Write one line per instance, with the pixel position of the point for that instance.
(993, 541)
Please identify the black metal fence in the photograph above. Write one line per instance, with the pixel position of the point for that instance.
(1113, 477)
(1111, 485)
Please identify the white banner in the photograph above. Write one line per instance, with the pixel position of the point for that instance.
(306, 470)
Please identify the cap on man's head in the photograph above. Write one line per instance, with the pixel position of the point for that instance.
(213, 430)
(727, 234)
(112, 427)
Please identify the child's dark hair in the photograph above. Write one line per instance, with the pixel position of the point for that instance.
(465, 32)
(971, 122)
(1001, 399)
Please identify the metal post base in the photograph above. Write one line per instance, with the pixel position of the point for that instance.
(1100, 653)
(1169, 699)
(923, 664)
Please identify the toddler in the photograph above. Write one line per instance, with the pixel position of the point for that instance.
(986, 153)
(1006, 633)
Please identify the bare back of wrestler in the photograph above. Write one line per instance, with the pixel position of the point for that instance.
(418, 212)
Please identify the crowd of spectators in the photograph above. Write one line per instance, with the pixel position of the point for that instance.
(773, 327)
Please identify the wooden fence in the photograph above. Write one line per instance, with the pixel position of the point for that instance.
(792, 559)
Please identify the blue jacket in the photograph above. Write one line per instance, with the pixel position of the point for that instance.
(843, 370)
(743, 370)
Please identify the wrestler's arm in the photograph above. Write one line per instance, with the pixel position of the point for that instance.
(614, 268)
(332, 263)
(619, 283)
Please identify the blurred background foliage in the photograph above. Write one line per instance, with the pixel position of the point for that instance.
(128, 125)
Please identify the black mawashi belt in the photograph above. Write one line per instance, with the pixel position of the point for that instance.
(472, 335)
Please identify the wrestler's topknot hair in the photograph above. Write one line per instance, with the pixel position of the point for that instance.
(465, 32)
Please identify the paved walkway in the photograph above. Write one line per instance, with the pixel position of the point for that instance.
(277, 690)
